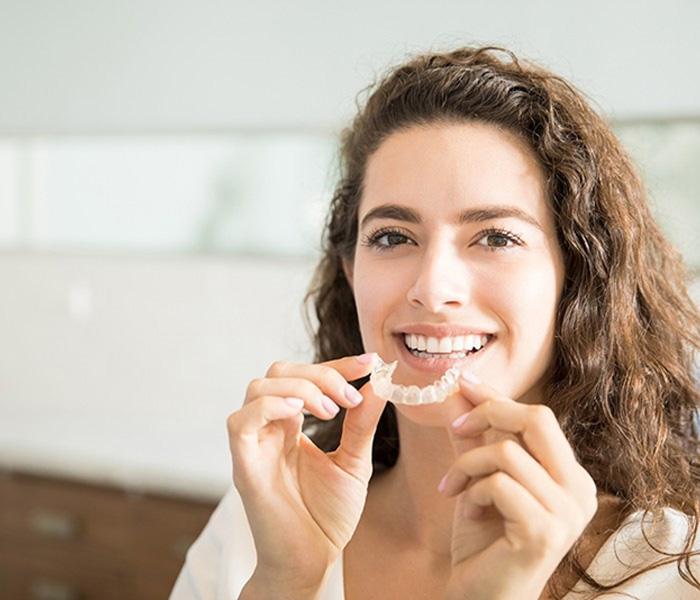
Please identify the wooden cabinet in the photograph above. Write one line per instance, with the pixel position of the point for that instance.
(64, 540)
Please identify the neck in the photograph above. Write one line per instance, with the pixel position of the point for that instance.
(409, 507)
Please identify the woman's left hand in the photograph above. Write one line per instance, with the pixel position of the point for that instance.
(523, 498)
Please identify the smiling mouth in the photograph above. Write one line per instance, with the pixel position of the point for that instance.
(458, 355)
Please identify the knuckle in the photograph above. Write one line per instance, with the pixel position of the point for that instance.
(266, 403)
(329, 377)
(306, 389)
(541, 417)
(509, 450)
(543, 413)
(253, 388)
(232, 422)
(499, 481)
(276, 369)
(547, 536)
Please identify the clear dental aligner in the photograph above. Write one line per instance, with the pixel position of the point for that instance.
(412, 394)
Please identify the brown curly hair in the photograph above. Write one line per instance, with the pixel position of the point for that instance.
(626, 330)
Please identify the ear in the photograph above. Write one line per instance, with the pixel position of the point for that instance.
(348, 270)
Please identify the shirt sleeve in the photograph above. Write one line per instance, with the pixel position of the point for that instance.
(222, 558)
(627, 552)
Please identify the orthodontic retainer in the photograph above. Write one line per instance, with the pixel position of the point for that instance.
(401, 394)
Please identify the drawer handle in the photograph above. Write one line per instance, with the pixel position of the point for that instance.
(42, 589)
(59, 526)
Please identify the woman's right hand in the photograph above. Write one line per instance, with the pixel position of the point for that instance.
(303, 504)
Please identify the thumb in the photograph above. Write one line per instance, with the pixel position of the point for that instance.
(354, 454)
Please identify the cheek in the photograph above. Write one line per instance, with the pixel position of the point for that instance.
(376, 293)
(529, 310)
(528, 296)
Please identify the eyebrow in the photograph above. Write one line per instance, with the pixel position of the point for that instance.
(469, 215)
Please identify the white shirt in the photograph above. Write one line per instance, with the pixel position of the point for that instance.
(223, 558)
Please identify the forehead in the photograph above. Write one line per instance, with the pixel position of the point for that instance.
(442, 169)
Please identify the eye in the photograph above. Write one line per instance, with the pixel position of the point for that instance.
(503, 236)
(372, 240)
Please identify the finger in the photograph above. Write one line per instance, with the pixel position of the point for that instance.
(353, 367)
(349, 367)
(511, 458)
(245, 425)
(535, 424)
(516, 505)
(477, 392)
(469, 395)
(331, 377)
(315, 401)
(354, 453)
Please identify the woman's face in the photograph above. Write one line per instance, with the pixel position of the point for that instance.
(434, 268)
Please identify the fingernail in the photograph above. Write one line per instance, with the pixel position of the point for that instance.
(442, 484)
(459, 420)
(469, 377)
(366, 358)
(353, 396)
(329, 405)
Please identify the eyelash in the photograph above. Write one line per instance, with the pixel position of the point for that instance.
(372, 239)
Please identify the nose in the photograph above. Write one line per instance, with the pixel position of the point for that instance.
(442, 280)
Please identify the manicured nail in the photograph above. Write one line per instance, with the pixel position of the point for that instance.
(329, 405)
(353, 396)
(366, 358)
(442, 484)
(459, 420)
(469, 377)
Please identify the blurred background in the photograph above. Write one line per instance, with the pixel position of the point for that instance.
(164, 173)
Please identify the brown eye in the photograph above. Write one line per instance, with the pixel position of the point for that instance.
(393, 237)
(502, 238)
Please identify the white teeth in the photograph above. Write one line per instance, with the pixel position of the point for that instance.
(433, 345)
(458, 343)
(445, 345)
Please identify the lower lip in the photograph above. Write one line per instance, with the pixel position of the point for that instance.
(437, 364)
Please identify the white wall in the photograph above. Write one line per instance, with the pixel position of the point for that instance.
(89, 65)
(111, 365)
(125, 369)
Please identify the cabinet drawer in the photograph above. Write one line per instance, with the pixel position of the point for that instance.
(62, 539)
(39, 577)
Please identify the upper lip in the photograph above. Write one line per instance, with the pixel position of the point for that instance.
(441, 331)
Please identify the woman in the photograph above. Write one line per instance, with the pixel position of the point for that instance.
(479, 196)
